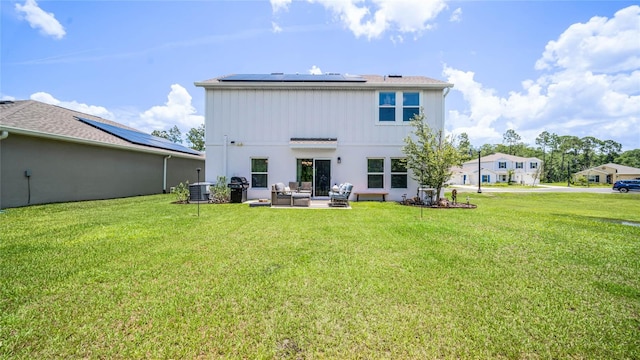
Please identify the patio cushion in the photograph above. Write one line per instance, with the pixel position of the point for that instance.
(280, 188)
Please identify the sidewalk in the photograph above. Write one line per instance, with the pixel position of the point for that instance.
(538, 188)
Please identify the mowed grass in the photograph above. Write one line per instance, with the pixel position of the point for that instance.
(534, 275)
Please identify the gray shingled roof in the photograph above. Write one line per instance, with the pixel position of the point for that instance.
(371, 80)
(500, 156)
(620, 169)
(39, 119)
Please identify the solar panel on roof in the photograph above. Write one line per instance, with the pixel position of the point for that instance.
(280, 77)
(140, 138)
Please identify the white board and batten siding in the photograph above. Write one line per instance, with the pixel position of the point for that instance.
(243, 122)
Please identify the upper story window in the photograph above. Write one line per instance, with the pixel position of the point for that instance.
(394, 105)
(502, 165)
(519, 165)
(410, 105)
(387, 106)
(259, 171)
(375, 173)
(533, 165)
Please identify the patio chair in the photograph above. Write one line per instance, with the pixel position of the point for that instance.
(293, 185)
(279, 196)
(340, 197)
(305, 187)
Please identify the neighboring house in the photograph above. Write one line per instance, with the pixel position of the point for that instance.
(495, 169)
(325, 129)
(52, 154)
(609, 173)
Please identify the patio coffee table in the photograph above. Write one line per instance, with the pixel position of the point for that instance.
(300, 199)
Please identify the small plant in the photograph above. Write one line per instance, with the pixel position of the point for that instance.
(182, 192)
(220, 192)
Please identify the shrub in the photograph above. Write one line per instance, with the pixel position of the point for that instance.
(182, 192)
(220, 192)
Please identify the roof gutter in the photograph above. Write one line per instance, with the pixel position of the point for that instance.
(44, 135)
(241, 85)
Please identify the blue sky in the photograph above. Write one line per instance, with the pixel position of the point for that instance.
(568, 67)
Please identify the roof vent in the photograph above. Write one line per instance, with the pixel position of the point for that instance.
(395, 76)
(3, 102)
(277, 73)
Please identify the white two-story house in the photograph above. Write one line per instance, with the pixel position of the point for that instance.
(495, 168)
(325, 129)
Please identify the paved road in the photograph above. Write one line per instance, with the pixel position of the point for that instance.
(539, 188)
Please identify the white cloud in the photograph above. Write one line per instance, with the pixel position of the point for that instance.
(278, 5)
(371, 18)
(600, 45)
(456, 15)
(39, 19)
(275, 27)
(589, 88)
(315, 70)
(178, 110)
(73, 105)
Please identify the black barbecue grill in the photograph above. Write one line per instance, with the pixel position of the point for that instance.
(238, 186)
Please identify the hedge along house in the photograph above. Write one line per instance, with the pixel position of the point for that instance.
(51, 154)
(325, 129)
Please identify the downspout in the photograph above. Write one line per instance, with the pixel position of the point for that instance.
(224, 156)
(3, 135)
(164, 174)
(444, 96)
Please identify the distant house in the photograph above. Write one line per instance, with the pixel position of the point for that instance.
(325, 129)
(609, 173)
(52, 154)
(495, 168)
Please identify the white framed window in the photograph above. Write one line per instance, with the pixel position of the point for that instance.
(259, 173)
(399, 173)
(533, 165)
(502, 165)
(519, 165)
(410, 105)
(486, 178)
(398, 106)
(387, 106)
(375, 173)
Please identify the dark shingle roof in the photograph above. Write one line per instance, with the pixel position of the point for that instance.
(39, 119)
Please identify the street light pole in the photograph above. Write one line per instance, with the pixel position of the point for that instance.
(479, 174)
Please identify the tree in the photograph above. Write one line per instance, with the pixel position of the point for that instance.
(464, 146)
(629, 158)
(195, 137)
(163, 134)
(511, 138)
(431, 155)
(543, 141)
(609, 151)
(173, 135)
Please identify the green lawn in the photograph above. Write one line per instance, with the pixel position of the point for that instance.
(535, 275)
